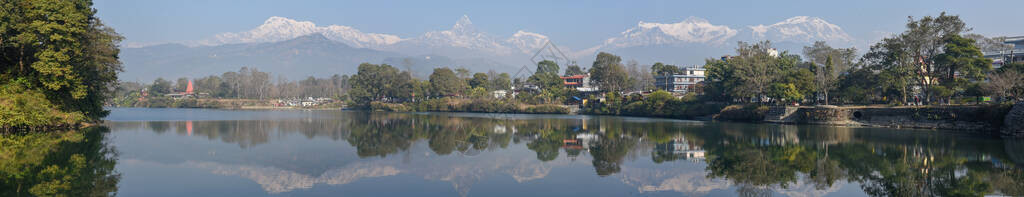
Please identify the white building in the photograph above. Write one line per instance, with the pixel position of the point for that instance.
(683, 82)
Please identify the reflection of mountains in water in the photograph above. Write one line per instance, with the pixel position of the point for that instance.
(800, 157)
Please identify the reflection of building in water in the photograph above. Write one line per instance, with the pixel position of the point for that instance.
(499, 129)
(682, 148)
(586, 139)
(785, 134)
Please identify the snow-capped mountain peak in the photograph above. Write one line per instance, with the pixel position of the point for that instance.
(526, 42)
(464, 25)
(801, 29)
(462, 35)
(691, 30)
(273, 29)
(276, 29)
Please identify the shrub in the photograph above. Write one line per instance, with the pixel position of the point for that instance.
(749, 113)
(546, 109)
(26, 109)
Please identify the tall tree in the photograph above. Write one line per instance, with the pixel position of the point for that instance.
(961, 62)
(499, 81)
(160, 86)
(755, 67)
(443, 82)
(478, 80)
(547, 66)
(641, 78)
(59, 49)
(462, 73)
(379, 83)
(924, 39)
(546, 76)
(609, 73)
(895, 65)
(826, 76)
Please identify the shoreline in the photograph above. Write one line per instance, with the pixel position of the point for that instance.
(901, 120)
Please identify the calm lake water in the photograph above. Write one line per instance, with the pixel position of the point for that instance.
(201, 152)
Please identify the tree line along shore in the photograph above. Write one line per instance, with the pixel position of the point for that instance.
(65, 78)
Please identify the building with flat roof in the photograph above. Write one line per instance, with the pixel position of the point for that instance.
(1014, 54)
(683, 82)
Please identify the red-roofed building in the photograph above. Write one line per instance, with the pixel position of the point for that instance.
(578, 82)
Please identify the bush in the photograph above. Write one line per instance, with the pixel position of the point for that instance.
(747, 113)
(546, 109)
(25, 109)
(391, 107)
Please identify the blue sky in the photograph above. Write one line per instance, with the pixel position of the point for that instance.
(576, 24)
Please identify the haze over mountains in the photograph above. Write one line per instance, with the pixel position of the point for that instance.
(297, 49)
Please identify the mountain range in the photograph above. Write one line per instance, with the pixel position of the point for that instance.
(296, 49)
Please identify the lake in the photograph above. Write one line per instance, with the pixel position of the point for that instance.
(205, 152)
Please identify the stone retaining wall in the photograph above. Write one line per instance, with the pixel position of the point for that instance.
(972, 118)
(1013, 123)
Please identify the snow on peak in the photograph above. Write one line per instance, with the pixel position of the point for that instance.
(527, 42)
(277, 28)
(691, 30)
(801, 29)
(463, 35)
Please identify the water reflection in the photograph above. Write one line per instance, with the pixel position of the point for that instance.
(692, 158)
(74, 163)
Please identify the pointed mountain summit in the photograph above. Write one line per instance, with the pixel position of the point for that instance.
(461, 37)
(464, 26)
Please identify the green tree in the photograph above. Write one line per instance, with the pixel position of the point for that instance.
(160, 86)
(443, 82)
(662, 69)
(478, 80)
(547, 66)
(608, 73)
(546, 76)
(785, 92)
(924, 41)
(754, 70)
(380, 83)
(499, 81)
(896, 68)
(61, 49)
(961, 62)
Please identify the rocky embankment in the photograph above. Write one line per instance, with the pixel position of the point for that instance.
(1013, 123)
(983, 118)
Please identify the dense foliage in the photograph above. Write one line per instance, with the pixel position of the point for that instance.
(56, 54)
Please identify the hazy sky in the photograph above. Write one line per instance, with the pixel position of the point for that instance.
(576, 24)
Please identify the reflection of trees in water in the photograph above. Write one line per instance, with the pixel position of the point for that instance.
(609, 152)
(76, 163)
(754, 157)
(925, 166)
